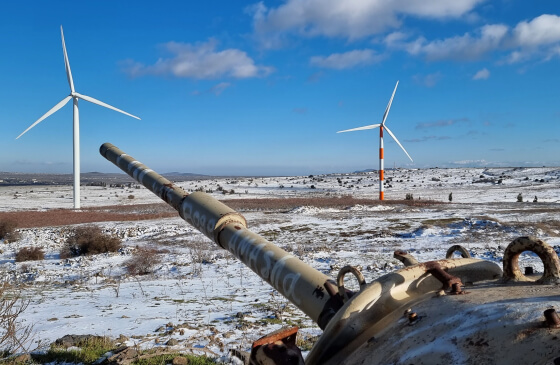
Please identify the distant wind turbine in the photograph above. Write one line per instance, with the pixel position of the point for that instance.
(381, 127)
(74, 96)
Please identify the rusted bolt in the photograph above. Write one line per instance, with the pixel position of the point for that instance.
(456, 288)
(412, 317)
(552, 319)
(446, 279)
(529, 270)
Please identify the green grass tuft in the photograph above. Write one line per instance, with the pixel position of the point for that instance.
(88, 353)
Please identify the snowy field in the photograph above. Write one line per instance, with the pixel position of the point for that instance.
(201, 296)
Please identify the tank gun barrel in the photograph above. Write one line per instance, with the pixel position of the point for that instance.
(310, 290)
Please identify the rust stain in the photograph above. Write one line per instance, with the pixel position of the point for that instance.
(445, 278)
(281, 335)
(552, 319)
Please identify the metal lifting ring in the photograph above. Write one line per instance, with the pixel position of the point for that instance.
(457, 248)
(546, 253)
(340, 280)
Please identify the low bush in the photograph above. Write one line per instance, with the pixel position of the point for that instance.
(89, 240)
(8, 231)
(30, 254)
(14, 336)
(142, 261)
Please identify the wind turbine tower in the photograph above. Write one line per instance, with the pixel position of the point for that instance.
(75, 97)
(382, 127)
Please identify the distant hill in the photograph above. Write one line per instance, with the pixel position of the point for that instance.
(87, 178)
(175, 173)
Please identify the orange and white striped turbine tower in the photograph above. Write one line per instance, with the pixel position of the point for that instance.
(382, 126)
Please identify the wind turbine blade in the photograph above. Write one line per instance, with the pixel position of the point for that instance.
(95, 101)
(396, 140)
(389, 105)
(67, 63)
(54, 109)
(361, 128)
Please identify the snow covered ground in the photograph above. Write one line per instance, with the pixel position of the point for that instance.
(203, 297)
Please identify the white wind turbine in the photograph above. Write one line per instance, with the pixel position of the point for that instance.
(74, 96)
(381, 127)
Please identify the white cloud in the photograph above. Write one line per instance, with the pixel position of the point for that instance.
(542, 30)
(429, 80)
(218, 89)
(465, 47)
(482, 74)
(351, 19)
(442, 123)
(473, 163)
(539, 37)
(200, 61)
(395, 38)
(349, 59)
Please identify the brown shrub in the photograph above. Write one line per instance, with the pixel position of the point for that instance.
(143, 261)
(89, 240)
(30, 254)
(8, 231)
(14, 335)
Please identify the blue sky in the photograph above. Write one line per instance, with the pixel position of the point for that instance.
(244, 87)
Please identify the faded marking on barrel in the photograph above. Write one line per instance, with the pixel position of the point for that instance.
(261, 260)
(143, 174)
(120, 158)
(138, 170)
(203, 224)
(132, 166)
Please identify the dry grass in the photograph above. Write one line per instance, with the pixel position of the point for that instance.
(319, 202)
(30, 254)
(89, 240)
(143, 261)
(8, 230)
(137, 212)
(64, 217)
(13, 335)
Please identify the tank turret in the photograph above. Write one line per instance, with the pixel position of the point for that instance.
(454, 310)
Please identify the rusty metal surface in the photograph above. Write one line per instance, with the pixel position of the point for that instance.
(496, 323)
(546, 253)
(277, 348)
(552, 318)
(445, 278)
(369, 312)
